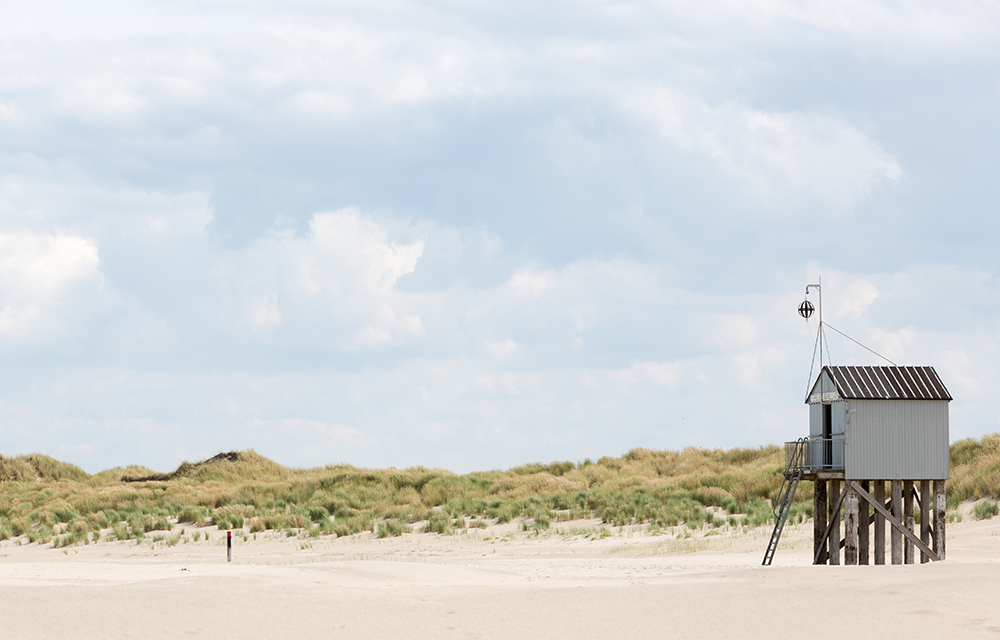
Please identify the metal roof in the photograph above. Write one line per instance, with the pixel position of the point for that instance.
(888, 383)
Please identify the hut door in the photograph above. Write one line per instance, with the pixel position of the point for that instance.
(827, 436)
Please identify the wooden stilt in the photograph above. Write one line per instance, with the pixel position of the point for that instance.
(908, 519)
(835, 508)
(820, 507)
(940, 507)
(879, 524)
(851, 527)
(834, 523)
(897, 512)
(893, 520)
(863, 516)
(925, 517)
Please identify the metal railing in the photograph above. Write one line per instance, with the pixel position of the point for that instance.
(817, 454)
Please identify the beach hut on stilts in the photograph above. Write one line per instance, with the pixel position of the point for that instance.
(877, 452)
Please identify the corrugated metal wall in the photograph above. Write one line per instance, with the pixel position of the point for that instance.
(896, 440)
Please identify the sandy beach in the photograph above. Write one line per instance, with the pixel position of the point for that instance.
(494, 583)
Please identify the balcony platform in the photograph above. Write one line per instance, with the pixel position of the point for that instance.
(822, 474)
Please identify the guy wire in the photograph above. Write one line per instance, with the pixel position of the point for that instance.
(829, 358)
(857, 343)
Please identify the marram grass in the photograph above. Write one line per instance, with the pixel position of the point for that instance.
(48, 500)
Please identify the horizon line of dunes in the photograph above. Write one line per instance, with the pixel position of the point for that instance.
(49, 500)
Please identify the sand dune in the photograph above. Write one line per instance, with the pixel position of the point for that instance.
(494, 584)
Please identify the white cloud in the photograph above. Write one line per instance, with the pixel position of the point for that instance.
(640, 377)
(539, 265)
(39, 275)
(265, 312)
(493, 409)
(856, 299)
(335, 285)
(894, 345)
(531, 284)
(500, 350)
(18, 322)
(758, 369)
(735, 330)
(358, 243)
(663, 373)
(898, 30)
(42, 265)
(103, 96)
(964, 375)
(784, 160)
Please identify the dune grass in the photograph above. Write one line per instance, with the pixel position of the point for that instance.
(48, 500)
(44, 498)
(986, 510)
(975, 469)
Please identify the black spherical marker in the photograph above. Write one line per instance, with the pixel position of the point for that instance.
(806, 309)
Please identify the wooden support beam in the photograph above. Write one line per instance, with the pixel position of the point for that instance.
(871, 517)
(834, 524)
(879, 524)
(894, 522)
(851, 526)
(896, 535)
(826, 533)
(940, 507)
(863, 525)
(820, 507)
(908, 519)
(874, 514)
(925, 517)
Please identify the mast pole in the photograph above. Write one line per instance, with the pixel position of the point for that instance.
(821, 334)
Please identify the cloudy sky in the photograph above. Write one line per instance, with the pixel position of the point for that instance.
(477, 234)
